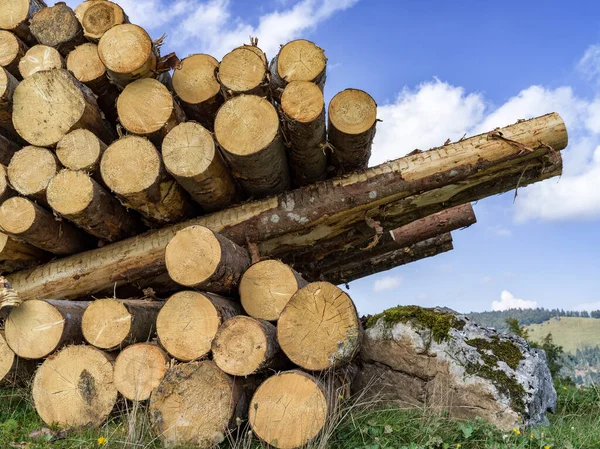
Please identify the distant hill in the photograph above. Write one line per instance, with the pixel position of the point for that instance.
(570, 333)
(526, 317)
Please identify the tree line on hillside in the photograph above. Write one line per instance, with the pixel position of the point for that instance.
(498, 319)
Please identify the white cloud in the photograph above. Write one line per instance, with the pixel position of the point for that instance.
(508, 301)
(589, 65)
(500, 231)
(387, 283)
(486, 279)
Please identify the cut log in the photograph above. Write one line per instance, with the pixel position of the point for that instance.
(244, 346)
(57, 27)
(36, 328)
(6, 191)
(7, 149)
(26, 220)
(147, 108)
(74, 195)
(75, 388)
(303, 114)
(48, 105)
(319, 328)
(8, 85)
(31, 170)
(139, 369)
(352, 123)
(128, 54)
(81, 150)
(197, 88)
(85, 64)
(99, 17)
(299, 60)
(243, 71)
(396, 193)
(111, 324)
(255, 152)
(16, 255)
(193, 159)
(202, 259)
(16, 14)
(189, 321)
(266, 288)
(289, 410)
(132, 168)
(13, 370)
(39, 58)
(12, 49)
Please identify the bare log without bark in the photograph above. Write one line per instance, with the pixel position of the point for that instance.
(6, 191)
(196, 85)
(31, 170)
(36, 328)
(266, 288)
(98, 17)
(303, 113)
(12, 49)
(16, 14)
(81, 150)
(255, 152)
(243, 71)
(193, 159)
(396, 193)
(13, 370)
(75, 388)
(39, 58)
(189, 321)
(16, 255)
(57, 27)
(244, 346)
(8, 85)
(26, 220)
(352, 123)
(7, 149)
(112, 324)
(132, 168)
(139, 369)
(202, 259)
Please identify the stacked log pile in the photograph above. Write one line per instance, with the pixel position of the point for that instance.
(223, 195)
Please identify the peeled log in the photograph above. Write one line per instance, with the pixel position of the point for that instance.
(396, 193)
(139, 369)
(37, 328)
(26, 220)
(193, 159)
(13, 370)
(266, 288)
(99, 17)
(15, 16)
(8, 85)
(243, 71)
(81, 150)
(319, 328)
(289, 410)
(303, 114)
(132, 168)
(75, 388)
(48, 105)
(255, 152)
(189, 321)
(6, 191)
(7, 149)
(244, 346)
(16, 255)
(195, 405)
(39, 58)
(12, 49)
(147, 108)
(202, 259)
(112, 324)
(198, 90)
(31, 170)
(57, 27)
(352, 123)
(298, 60)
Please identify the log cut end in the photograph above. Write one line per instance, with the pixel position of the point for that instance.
(39, 58)
(5, 189)
(288, 410)
(80, 150)
(17, 215)
(101, 17)
(302, 101)
(195, 81)
(84, 62)
(106, 323)
(139, 369)
(301, 60)
(266, 288)
(10, 47)
(13, 13)
(242, 71)
(75, 388)
(125, 48)
(319, 328)
(34, 329)
(353, 111)
(57, 26)
(31, 170)
(70, 192)
(188, 150)
(8, 85)
(7, 358)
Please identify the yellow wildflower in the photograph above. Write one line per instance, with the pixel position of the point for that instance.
(532, 436)
(458, 445)
(546, 447)
(516, 431)
(102, 441)
(565, 388)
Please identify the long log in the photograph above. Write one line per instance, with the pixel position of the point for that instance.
(16, 255)
(57, 27)
(39, 58)
(81, 150)
(8, 86)
(7, 149)
(396, 193)
(12, 49)
(31, 170)
(13, 370)
(98, 17)
(243, 71)
(15, 16)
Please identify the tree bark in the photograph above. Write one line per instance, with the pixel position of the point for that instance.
(255, 152)
(16, 15)
(7, 149)
(191, 156)
(139, 369)
(39, 58)
(303, 114)
(202, 259)
(189, 321)
(6, 191)
(57, 27)
(243, 71)
(81, 150)
(12, 49)
(352, 124)
(31, 170)
(75, 196)
(8, 85)
(112, 324)
(16, 255)
(26, 220)
(75, 388)
(132, 169)
(98, 17)
(396, 193)
(37, 328)
(13, 370)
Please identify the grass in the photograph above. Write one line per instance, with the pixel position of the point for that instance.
(576, 425)
(568, 332)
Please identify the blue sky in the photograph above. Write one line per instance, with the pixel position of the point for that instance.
(439, 69)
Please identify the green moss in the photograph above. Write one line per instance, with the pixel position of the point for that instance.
(439, 322)
(501, 350)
